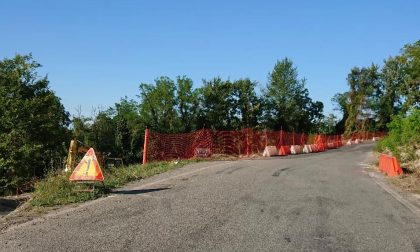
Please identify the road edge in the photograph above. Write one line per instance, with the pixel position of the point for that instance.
(405, 198)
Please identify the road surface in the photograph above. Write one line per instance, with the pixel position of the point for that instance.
(311, 202)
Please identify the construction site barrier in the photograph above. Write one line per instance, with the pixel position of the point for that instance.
(360, 137)
(296, 149)
(331, 146)
(307, 148)
(284, 150)
(206, 143)
(270, 151)
(364, 135)
(389, 165)
(314, 148)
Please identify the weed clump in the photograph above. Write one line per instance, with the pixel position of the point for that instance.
(56, 189)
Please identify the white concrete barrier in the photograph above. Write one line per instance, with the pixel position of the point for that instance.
(296, 149)
(307, 149)
(270, 151)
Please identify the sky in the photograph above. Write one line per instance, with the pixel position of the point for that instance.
(96, 52)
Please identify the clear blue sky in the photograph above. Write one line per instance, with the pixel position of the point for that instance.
(96, 52)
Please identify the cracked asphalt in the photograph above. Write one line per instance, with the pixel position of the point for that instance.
(311, 202)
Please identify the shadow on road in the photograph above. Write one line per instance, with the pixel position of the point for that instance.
(140, 191)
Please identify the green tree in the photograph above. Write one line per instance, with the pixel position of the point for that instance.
(316, 116)
(364, 94)
(247, 103)
(33, 122)
(341, 102)
(328, 125)
(187, 103)
(375, 96)
(157, 105)
(129, 133)
(287, 101)
(216, 105)
(411, 88)
(81, 128)
(393, 77)
(103, 131)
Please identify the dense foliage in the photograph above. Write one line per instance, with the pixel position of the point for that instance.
(174, 106)
(376, 94)
(33, 123)
(386, 99)
(403, 138)
(287, 101)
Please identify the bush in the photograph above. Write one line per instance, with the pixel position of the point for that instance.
(33, 124)
(403, 137)
(56, 189)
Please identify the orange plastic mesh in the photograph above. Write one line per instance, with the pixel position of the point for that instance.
(207, 142)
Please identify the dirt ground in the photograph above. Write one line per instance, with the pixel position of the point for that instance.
(14, 210)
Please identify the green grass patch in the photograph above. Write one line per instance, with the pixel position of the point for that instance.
(56, 189)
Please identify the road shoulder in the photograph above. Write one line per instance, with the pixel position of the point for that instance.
(408, 199)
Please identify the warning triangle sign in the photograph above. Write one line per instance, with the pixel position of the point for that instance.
(88, 169)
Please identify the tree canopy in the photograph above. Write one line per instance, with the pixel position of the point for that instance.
(33, 122)
(287, 101)
(377, 93)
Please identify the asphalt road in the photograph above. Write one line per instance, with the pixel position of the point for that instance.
(312, 202)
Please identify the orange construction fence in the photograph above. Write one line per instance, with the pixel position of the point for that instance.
(206, 142)
(364, 135)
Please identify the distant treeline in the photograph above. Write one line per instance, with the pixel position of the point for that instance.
(174, 106)
(35, 129)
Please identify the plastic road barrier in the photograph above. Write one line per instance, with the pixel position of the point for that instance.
(270, 151)
(284, 150)
(389, 165)
(296, 149)
(307, 149)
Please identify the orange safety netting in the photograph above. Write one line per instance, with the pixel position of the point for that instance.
(206, 142)
(366, 135)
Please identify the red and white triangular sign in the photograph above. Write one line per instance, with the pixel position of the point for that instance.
(88, 169)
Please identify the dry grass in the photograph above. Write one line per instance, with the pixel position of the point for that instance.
(409, 156)
(408, 181)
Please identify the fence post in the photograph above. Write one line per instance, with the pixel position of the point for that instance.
(266, 138)
(293, 136)
(247, 142)
(146, 143)
(281, 137)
